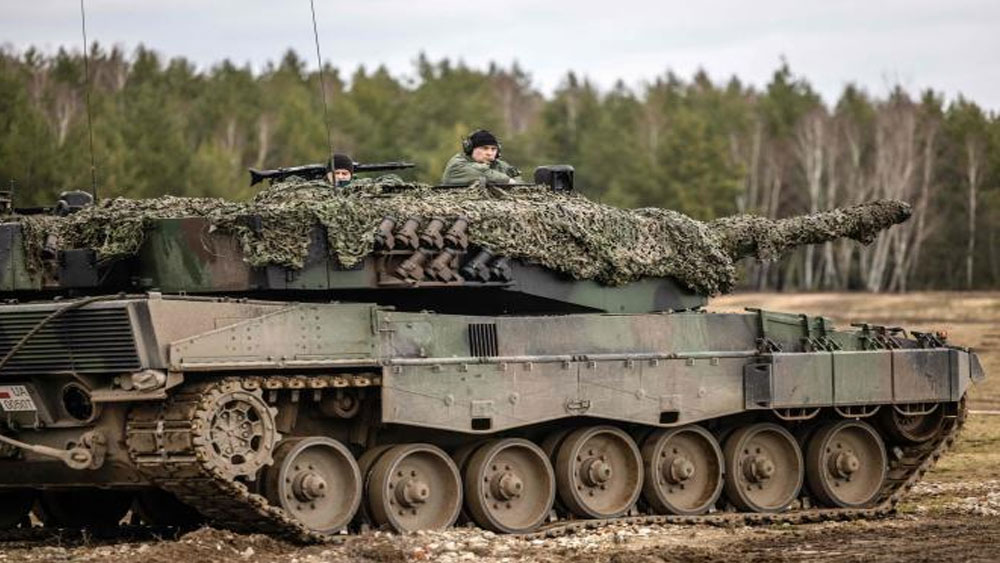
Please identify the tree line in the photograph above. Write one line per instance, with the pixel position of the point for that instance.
(703, 147)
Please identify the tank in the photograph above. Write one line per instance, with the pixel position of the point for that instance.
(438, 375)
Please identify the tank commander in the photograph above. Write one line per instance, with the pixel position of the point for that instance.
(479, 159)
(341, 170)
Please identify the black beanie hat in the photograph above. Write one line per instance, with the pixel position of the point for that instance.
(342, 162)
(482, 138)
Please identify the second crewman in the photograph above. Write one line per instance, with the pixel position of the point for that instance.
(341, 170)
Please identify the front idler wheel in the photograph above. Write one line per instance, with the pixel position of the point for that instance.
(905, 428)
(316, 481)
(682, 470)
(414, 487)
(598, 472)
(764, 469)
(846, 464)
(509, 486)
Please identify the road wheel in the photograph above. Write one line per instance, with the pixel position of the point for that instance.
(764, 469)
(316, 481)
(414, 487)
(846, 464)
(598, 472)
(509, 486)
(682, 470)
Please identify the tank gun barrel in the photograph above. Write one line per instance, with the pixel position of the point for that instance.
(745, 236)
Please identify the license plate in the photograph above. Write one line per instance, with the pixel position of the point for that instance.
(16, 398)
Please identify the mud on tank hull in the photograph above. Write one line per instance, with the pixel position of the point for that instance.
(302, 420)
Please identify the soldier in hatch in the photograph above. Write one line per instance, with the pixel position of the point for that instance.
(479, 159)
(341, 170)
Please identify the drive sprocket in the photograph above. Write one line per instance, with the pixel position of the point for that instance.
(235, 431)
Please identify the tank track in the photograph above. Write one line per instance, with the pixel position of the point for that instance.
(178, 462)
(904, 472)
(179, 465)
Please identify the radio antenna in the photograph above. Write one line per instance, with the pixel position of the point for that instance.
(322, 82)
(86, 81)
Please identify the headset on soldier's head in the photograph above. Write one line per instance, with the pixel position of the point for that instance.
(467, 143)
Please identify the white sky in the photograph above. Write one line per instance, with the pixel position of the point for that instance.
(950, 46)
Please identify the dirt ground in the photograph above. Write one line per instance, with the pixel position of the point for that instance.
(953, 515)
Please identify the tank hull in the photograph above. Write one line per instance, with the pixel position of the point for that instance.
(148, 384)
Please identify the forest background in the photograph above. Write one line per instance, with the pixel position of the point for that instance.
(704, 147)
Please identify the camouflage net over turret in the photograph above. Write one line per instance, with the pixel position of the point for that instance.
(565, 232)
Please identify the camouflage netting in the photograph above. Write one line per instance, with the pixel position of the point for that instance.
(563, 231)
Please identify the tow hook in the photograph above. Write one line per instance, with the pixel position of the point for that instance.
(87, 453)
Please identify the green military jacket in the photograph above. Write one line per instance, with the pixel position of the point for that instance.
(462, 170)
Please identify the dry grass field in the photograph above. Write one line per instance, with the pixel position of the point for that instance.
(953, 515)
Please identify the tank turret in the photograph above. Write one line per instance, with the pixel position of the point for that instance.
(483, 250)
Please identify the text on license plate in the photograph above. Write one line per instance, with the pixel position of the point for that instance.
(15, 398)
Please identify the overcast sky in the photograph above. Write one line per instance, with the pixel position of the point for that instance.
(951, 46)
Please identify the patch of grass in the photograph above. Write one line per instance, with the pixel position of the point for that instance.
(976, 454)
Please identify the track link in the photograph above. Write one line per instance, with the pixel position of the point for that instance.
(164, 441)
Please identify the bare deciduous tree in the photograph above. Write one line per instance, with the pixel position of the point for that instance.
(895, 163)
(810, 151)
(974, 150)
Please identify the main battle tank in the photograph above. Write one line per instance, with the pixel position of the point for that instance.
(409, 357)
